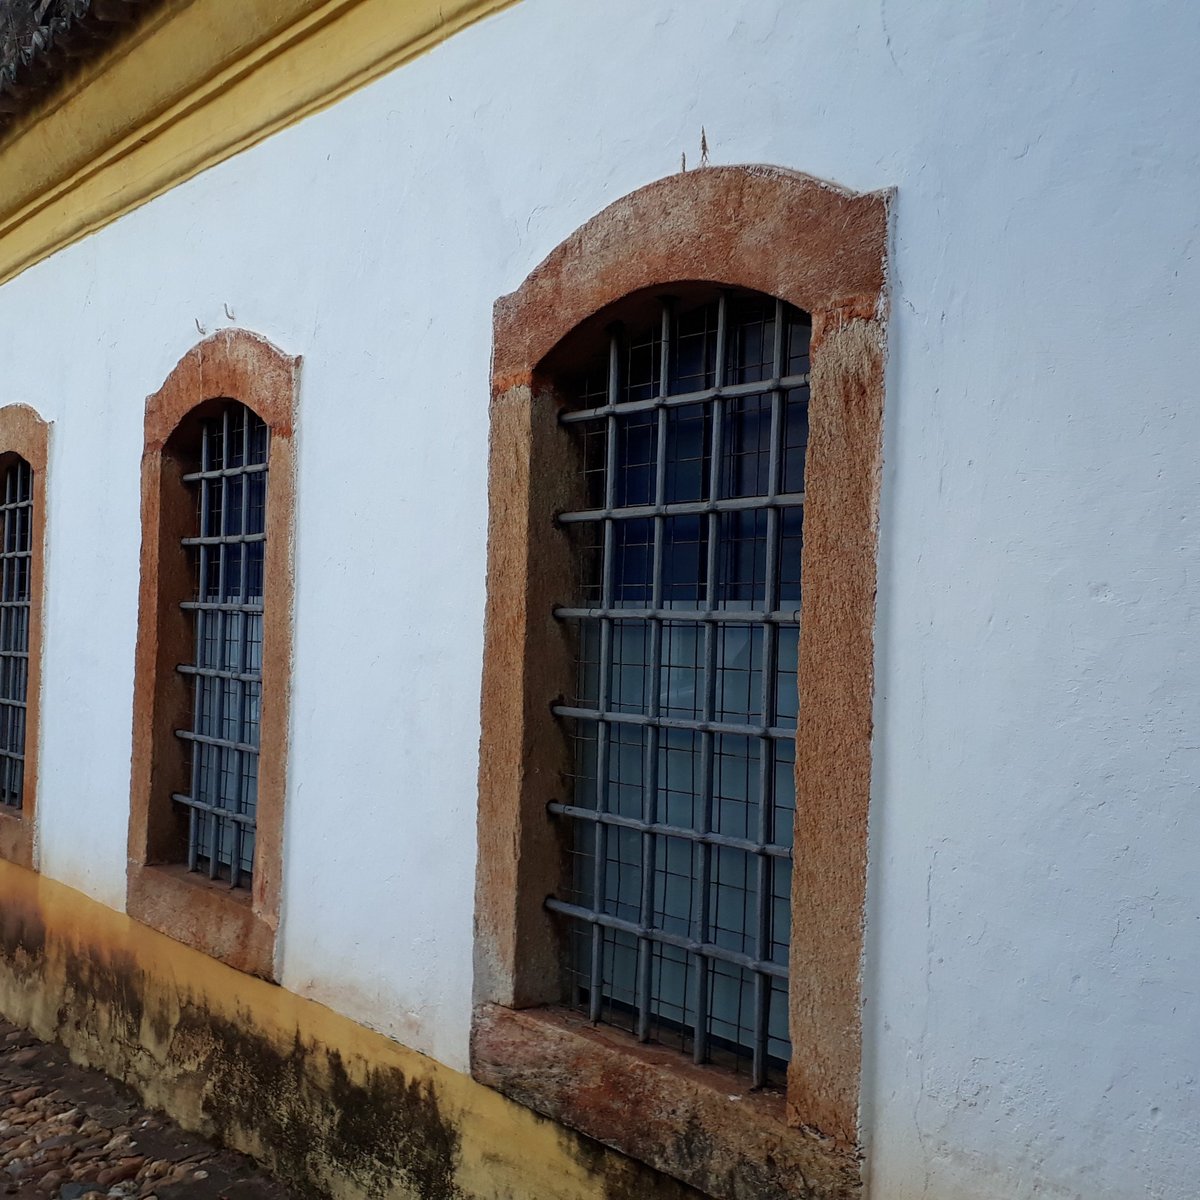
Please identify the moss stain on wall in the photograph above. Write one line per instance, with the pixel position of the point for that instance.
(331, 1107)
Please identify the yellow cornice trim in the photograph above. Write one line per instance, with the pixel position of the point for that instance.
(202, 80)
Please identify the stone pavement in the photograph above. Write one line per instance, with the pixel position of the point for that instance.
(67, 1133)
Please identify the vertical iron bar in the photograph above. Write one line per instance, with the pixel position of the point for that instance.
(238, 830)
(608, 566)
(766, 774)
(8, 616)
(198, 684)
(10, 641)
(222, 618)
(12, 546)
(10, 613)
(193, 836)
(707, 745)
(25, 495)
(651, 734)
(12, 661)
(9, 619)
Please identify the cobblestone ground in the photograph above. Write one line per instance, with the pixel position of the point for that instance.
(71, 1134)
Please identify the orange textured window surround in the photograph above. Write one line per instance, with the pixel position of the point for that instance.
(24, 435)
(237, 927)
(822, 250)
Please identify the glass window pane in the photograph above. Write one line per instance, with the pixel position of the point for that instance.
(15, 580)
(226, 668)
(691, 700)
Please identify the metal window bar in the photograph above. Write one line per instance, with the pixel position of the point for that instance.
(227, 610)
(15, 564)
(683, 508)
(651, 739)
(683, 400)
(667, 830)
(600, 833)
(726, 616)
(766, 750)
(609, 717)
(700, 1045)
(705, 1004)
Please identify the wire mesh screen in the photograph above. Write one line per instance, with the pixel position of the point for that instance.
(14, 629)
(692, 432)
(226, 672)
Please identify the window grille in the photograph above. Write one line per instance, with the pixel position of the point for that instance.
(692, 431)
(14, 629)
(226, 674)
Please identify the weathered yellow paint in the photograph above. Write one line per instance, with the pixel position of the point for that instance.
(202, 80)
(74, 970)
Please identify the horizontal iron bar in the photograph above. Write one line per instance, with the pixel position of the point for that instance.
(722, 616)
(225, 814)
(682, 399)
(14, 653)
(14, 603)
(218, 673)
(205, 740)
(683, 508)
(707, 949)
(225, 472)
(12, 756)
(696, 726)
(252, 610)
(224, 539)
(675, 831)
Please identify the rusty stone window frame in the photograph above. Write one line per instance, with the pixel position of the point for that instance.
(238, 927)
(822, 249)
(23, 434)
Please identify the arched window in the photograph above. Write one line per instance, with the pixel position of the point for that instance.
(213, 661)
(691, 423)
(687, 401)
(15, 595)
(227, 552)
(24, 447)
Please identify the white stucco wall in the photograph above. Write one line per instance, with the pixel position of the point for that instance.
(1034, 926)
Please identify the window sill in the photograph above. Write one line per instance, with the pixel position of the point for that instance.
(16, 839)
(210, 917)
(693, 1123)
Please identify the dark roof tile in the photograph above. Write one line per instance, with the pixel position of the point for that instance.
(43, 41)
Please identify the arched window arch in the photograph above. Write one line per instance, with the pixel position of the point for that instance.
(23, 457)
(214, 651)
(607, 896)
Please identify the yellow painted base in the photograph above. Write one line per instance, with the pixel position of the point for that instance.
(320, 1100)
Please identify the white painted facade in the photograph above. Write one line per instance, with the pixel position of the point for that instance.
(1032, 971)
